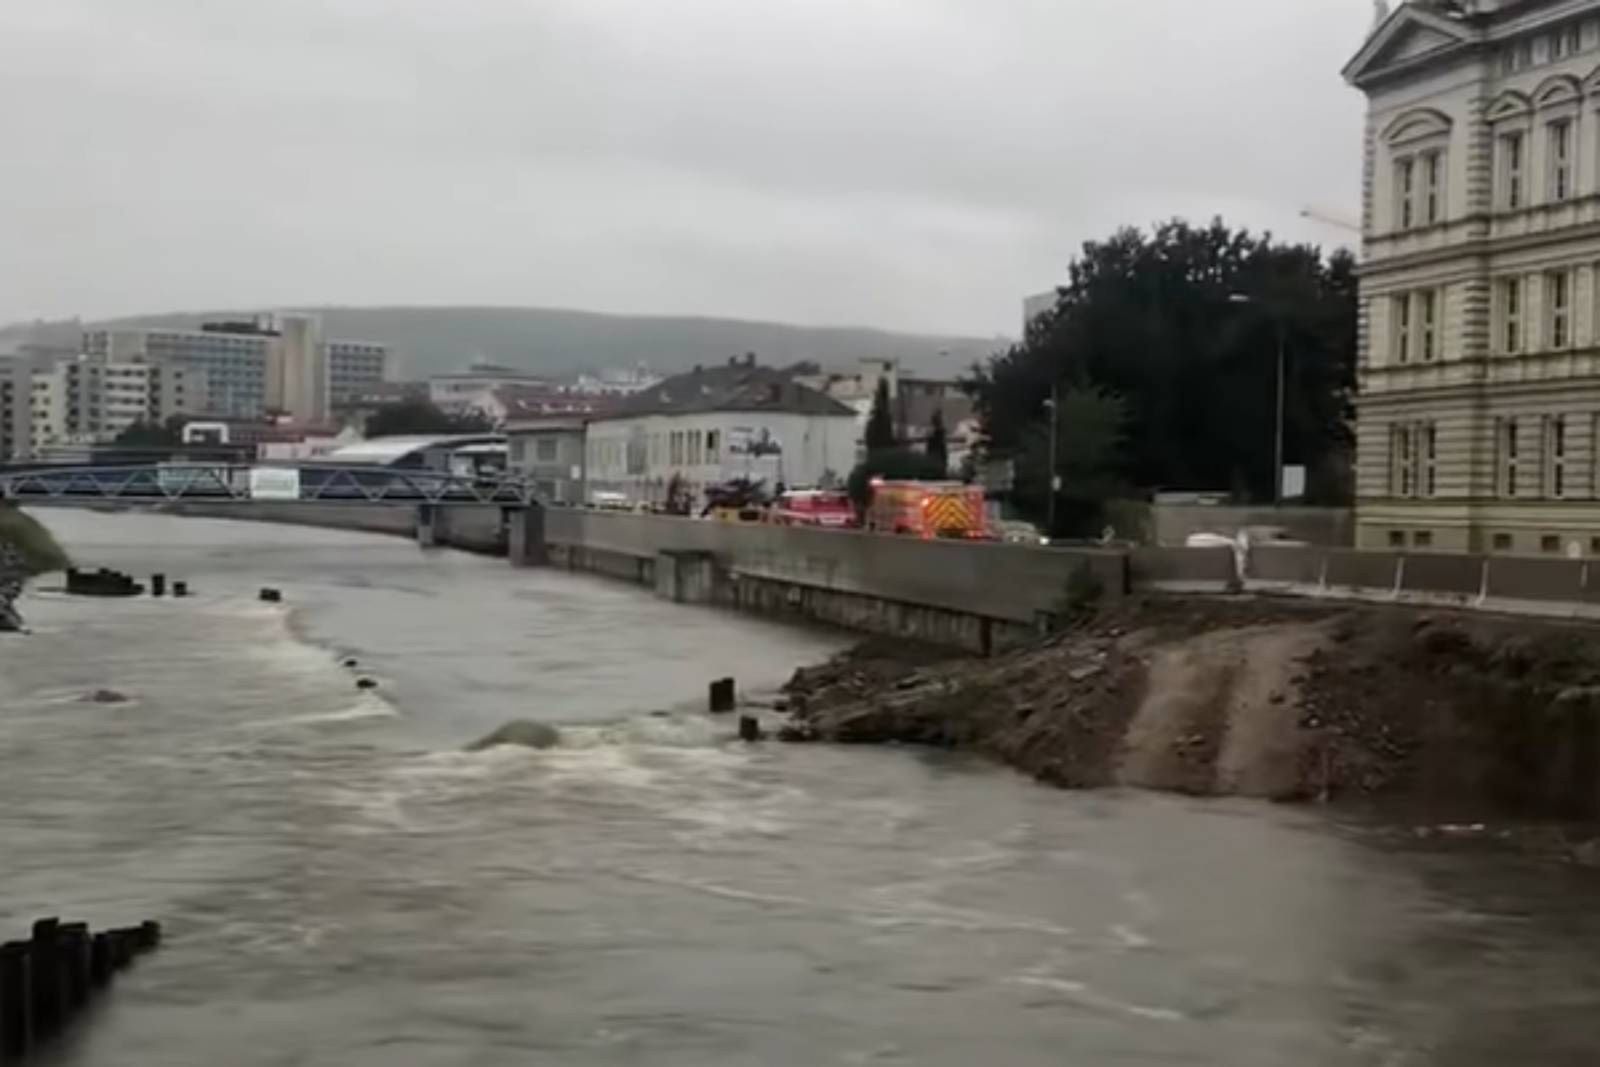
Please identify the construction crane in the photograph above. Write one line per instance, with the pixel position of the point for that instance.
(1330, 218)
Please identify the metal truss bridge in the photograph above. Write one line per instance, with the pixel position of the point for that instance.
(245, 484)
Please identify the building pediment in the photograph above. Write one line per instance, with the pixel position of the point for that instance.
(1408, 37)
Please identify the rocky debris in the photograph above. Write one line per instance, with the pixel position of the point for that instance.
(105, 696)
(1452, 713)
(522, 732)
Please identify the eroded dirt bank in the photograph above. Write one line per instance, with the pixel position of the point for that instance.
(1455, 715)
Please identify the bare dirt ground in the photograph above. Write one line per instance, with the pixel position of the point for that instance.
(1450, 712)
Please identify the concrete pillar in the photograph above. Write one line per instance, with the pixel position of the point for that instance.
(525, 546)
(428, 519)
(685, 577)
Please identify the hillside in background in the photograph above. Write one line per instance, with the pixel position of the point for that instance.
(434, 340)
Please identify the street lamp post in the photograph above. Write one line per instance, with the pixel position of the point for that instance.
(1281, 330)
(1053, 403)
(1277, 425)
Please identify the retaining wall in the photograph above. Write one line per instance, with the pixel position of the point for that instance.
(1011, 583)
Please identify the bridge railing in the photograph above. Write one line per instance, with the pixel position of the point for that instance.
(227, 482)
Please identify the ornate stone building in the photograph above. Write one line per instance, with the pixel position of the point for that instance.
(1478, 425)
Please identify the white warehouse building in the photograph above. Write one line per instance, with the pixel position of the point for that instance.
(716, 424)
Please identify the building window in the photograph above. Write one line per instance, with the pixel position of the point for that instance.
(1549, 543)
(713, 447)
(1405, 187)
(1508, 457)
(1425, 320)
(545, 449)
(1559, 286)
(1511, 314)
(1432, 181)
(1397, 539)
(1511, 169)
(1559, 138)
(1555, 450)
(1400, 471)
(1422, 539)
(1402, 328)
(1430, 456)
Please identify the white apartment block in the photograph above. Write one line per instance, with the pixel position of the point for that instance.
(1478, 418)
(278, 363)
(87, 400)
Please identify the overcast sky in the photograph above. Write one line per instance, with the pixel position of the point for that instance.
(913, 164)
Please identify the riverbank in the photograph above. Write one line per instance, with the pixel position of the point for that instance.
(26, 549)
(1451, 716)
(35, 548)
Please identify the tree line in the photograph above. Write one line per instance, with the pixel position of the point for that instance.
(1159, 359)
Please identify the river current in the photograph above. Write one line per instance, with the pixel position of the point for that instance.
(342, 884)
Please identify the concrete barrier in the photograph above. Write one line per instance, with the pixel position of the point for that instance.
(1350, 569)
(1285, 565)
(1449, 575)
(1522, 578)
(1208, 570)
(1008, 582)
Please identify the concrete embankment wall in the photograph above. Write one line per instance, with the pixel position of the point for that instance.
(977, 596)
(474, 527)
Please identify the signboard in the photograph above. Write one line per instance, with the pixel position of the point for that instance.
(1294, 482)
(274, 483)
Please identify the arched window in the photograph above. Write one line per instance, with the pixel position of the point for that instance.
(1418, 143)
(1510, 116)
(1557, 101)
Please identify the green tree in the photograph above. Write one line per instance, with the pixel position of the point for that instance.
(421, 416)
(1182, 326)
(152, 434)
(1091, 455)
(880, 434)
(938, 444)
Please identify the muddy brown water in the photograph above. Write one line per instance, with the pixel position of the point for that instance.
(341, 884)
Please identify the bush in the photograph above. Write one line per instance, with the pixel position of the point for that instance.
(38, 550)
(1081, 595)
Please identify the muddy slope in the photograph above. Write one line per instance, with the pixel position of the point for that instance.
(1451, 713)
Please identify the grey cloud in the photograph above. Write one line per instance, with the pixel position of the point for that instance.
(907, 163)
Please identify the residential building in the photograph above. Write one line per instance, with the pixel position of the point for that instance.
(233, 356)
(472, 391)
(912, 401)
(355, 369)
(549, 451)
(1478, 416)
(87, 400)
(16, 397)
(297, 369)
(719, 423)
(277, 363)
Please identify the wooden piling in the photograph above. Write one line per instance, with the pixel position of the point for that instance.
(158, 585)
(49, 1009)
(180, 589)
(749, 728)
(721, 695)
(16, 1000)
(73, 954)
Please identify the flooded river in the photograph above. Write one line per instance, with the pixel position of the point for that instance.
(342, 884)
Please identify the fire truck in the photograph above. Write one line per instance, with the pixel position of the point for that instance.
(928, 509)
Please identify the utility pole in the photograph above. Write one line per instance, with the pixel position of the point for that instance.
(1277, 427)
(1054, 404)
